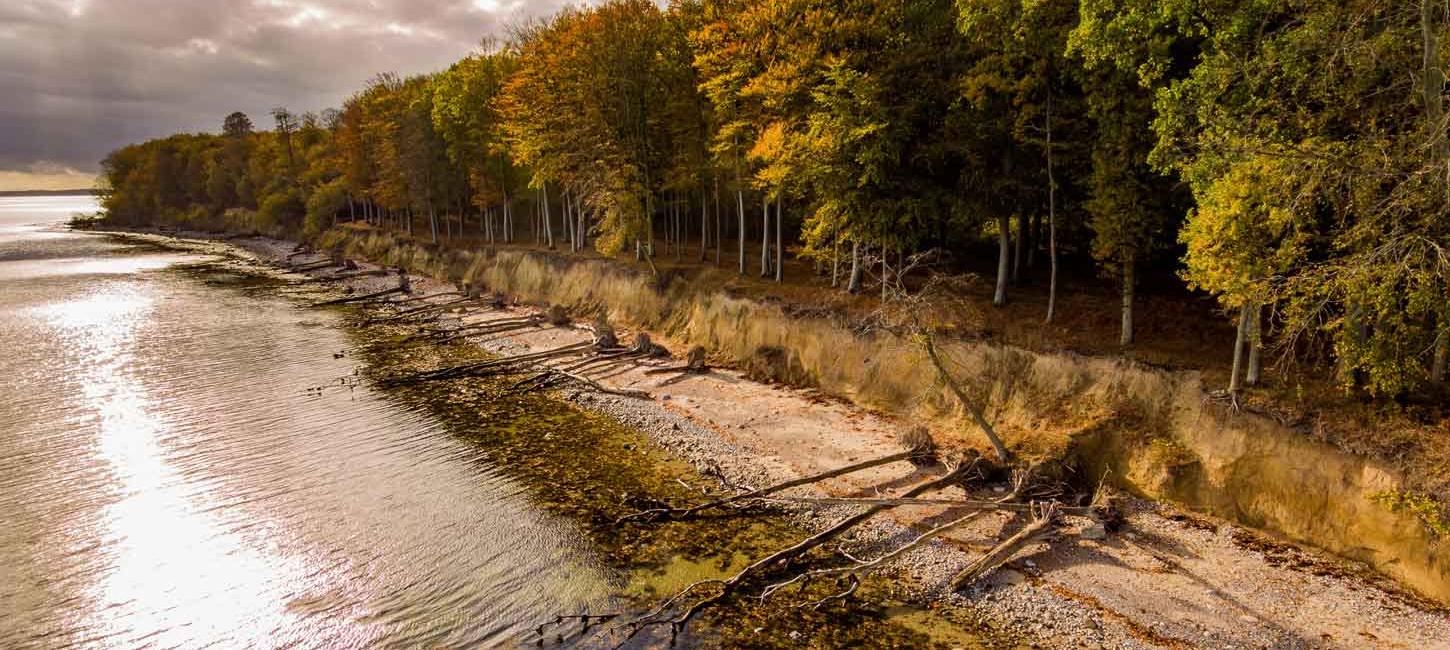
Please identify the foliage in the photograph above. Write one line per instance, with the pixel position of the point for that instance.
(1424, 508)
(1289, 154)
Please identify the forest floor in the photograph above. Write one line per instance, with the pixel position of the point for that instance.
(1166, 579)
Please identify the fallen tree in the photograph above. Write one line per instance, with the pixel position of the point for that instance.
(920, 451)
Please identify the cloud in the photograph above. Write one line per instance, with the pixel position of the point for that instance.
(46, 175)
(83, 77)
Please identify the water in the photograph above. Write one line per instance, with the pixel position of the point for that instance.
(168, 480)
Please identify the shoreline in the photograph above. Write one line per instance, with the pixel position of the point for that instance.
(1170, 579)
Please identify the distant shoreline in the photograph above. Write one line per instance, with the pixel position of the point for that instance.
(77, 192)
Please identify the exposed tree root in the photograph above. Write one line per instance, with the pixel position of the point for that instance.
(694, 364)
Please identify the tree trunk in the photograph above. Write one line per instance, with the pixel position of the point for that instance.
(764, 235)
(548, 220)
(567, 218)
(1004, 229)
(583, 225)
(1034, 237)
(1240, 339)
(885, 273)
(1442, 350)
(704, 227)
(1126, 337)
(1017, 249)
(779, 245)
(1442, 358)
(717, 221)
(740, 232)
(853, 286)
(1256, 344)
(835, 258)
(972, 408)
(432, 222)
(1051, 221)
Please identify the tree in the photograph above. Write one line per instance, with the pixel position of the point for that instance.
(237, 125)
(1132, 208)
(1019, 54)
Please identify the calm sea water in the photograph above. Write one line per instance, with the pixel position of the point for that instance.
(167, 480)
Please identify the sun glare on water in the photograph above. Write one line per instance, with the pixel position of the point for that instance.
(176, 570)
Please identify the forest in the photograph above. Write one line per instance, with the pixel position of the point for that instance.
(1288, 158)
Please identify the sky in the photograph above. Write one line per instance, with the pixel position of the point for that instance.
(79, 78)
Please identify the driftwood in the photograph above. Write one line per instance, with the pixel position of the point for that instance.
(490, 327)
(311, 266)
(598, 387)
(429, 296)
(729, 586)
(363, 298)
(1044, 518)
(920, 453)
(339, 277)
(550, 376)
(419, 312)
(854, 571)
(981, 504)
(485, 368)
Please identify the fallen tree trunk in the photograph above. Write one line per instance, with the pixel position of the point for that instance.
(371, 296)
(419, 312)
(445, 336)
(548, 377)
(1044, 517)
(730, 585)
(855, 571)
(485, 367)
(954, 503)
(348, 276)
(918, 453)
(601, 388)
(310, 266)
(429, 297)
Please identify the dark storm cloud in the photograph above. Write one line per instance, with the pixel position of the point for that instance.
(81, 77)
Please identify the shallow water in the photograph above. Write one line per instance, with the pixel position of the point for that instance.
(168, 480)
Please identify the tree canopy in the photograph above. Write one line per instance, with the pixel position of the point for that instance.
(1288, 158)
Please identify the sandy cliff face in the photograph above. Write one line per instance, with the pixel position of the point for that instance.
(1151, 430)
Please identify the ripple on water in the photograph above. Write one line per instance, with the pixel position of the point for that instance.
(169, 480)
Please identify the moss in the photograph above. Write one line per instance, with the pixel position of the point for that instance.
(1423, 507)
